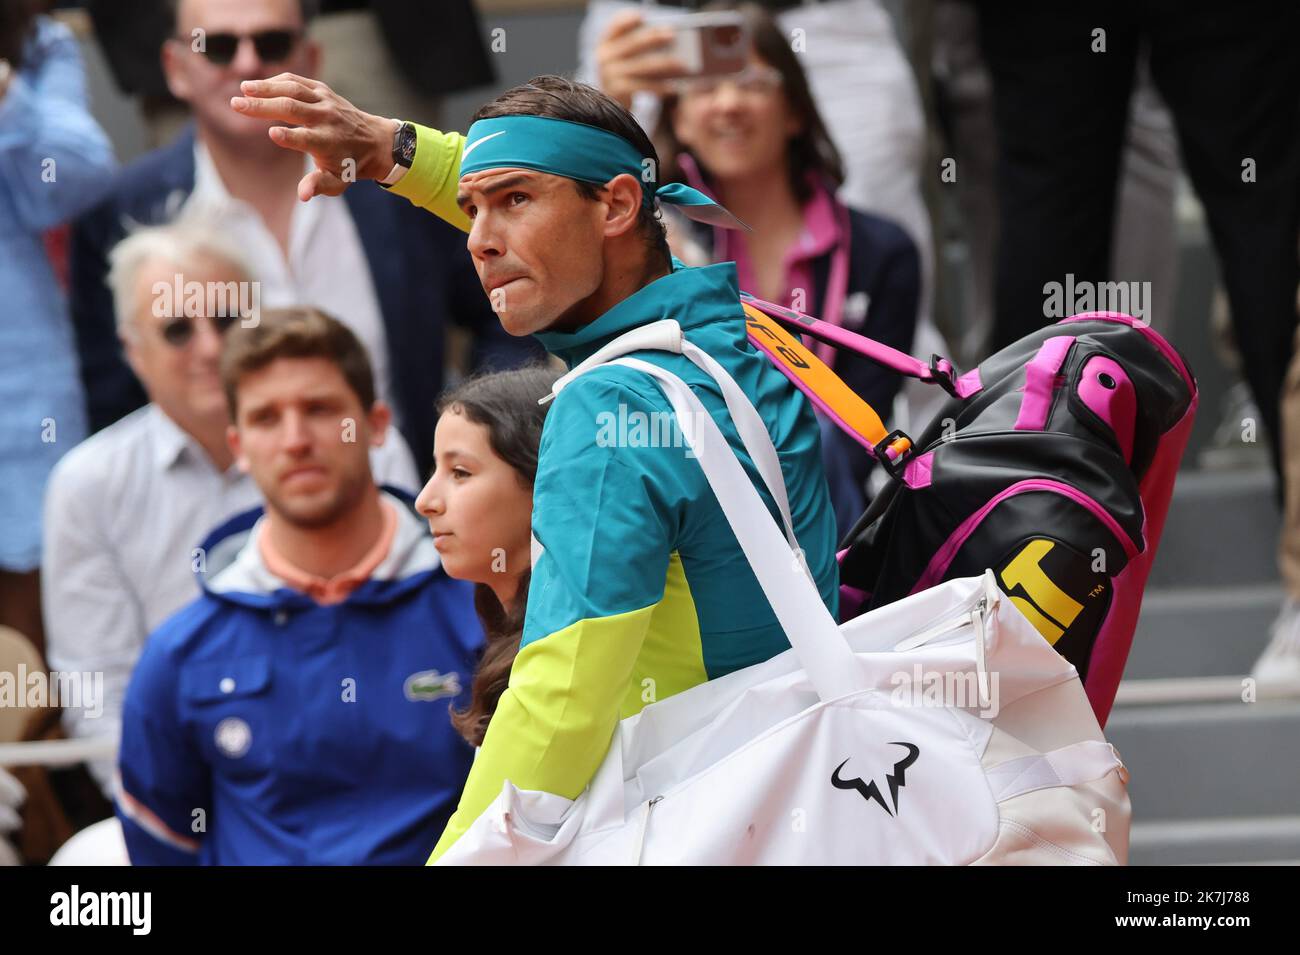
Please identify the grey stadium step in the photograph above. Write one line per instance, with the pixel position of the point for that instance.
(1210, 760)
(1222, 531)
(1202, 631)
(1264, 839)
(1213, 780)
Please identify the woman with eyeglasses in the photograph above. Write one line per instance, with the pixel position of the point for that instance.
(54, 159)
(755, 141)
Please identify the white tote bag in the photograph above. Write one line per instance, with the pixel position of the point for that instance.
(941, 729)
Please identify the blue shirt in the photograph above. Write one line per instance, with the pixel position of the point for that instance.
(261, 728)
(54, 162)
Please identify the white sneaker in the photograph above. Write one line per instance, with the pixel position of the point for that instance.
(1277, 671)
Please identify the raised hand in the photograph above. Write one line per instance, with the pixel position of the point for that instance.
(631, 56)
(345, 143)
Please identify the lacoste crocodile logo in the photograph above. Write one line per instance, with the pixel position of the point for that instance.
(428, 685)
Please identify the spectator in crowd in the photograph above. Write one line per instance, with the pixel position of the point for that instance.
(758, 143)
(1062, 80)
(1277, 671)
(865, 90)
(395, 277)
(126, 509)
(857, 72)
(479, 504)
(53, 160)
(1145, 243)
(297, 711)
(1061, 84)
(371, 54)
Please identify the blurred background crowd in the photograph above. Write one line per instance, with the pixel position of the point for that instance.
(920, 171)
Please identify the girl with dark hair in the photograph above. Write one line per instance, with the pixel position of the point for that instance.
(756, 142)
(479, 504)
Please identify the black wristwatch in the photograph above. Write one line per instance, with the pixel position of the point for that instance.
(404, 145)
(404, 142)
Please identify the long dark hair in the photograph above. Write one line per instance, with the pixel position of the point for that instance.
(504, 402)
(813, 150)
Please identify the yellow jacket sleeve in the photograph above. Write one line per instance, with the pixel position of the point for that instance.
(554, 722)
(430, 183)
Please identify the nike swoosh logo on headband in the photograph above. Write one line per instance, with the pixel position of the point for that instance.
(479, 142)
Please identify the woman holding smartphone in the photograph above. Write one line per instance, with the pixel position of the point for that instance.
(755, 141)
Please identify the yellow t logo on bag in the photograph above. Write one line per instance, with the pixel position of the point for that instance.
(1052, 610)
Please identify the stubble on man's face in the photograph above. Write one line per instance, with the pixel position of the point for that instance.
(538, 248)
(305, 440)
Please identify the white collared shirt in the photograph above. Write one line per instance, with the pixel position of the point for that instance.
(326, 267)
(125, 513)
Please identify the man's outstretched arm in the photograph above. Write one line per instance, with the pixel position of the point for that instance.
(348, 144)
(430, 183)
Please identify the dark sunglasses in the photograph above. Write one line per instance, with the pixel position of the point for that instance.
(271, 45)
(177, 332)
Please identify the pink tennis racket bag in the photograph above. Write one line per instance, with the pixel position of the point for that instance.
(1053, 464)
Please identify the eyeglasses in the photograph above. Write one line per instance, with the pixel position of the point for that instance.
(177, 332)
(752, 80)
(272, 46)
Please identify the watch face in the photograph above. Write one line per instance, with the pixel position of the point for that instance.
(404, 146)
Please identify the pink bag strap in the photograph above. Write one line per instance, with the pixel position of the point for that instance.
(939, 371)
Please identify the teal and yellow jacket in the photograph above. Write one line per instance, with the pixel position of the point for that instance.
(640, 590)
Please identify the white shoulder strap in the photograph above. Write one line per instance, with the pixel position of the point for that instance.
(666, 335)
(663, 335)
(781, 571)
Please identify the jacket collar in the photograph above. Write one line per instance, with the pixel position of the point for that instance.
(235, 570)
(692, 297)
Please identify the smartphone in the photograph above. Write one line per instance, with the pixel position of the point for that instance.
(710, 44)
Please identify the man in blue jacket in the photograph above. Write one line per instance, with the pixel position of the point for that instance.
(297, 711)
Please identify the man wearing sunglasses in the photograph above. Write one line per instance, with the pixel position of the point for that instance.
(126, 509)
(271, 46)
(393, 276)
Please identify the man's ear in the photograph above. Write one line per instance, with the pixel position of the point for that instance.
(131, 351)
(379, 417)
(232, 442)
(177, 82)
(312, 54)
(624, 197)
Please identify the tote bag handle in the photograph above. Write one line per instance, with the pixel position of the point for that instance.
(781, 571)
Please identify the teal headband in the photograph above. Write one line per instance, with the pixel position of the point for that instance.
(581, 152)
